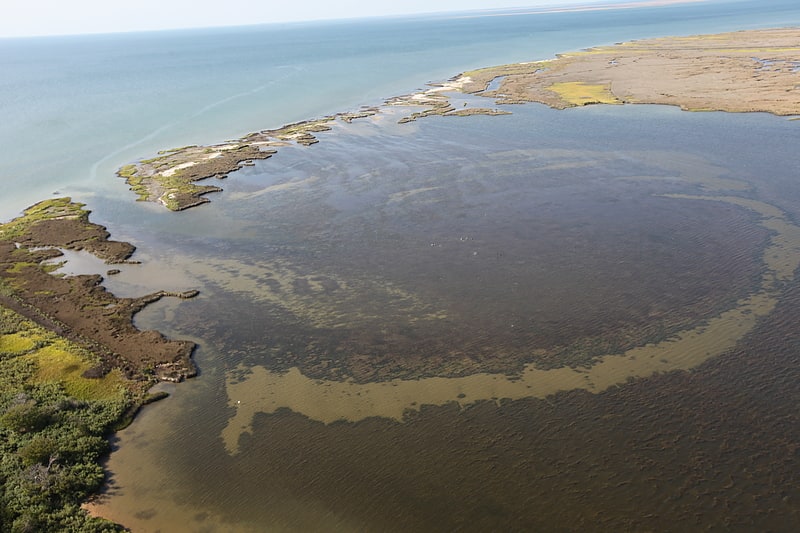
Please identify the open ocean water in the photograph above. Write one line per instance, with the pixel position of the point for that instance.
(372, 306)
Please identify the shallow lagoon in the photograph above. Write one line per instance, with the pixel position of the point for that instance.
(390, 255)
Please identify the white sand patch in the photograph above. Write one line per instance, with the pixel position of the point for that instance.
(171, 171)
(453, 85)
(420, 97)
(269, 143)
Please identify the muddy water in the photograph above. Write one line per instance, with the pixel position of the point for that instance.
(468, 324)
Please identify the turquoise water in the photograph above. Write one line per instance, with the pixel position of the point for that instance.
(74, 109)
(445, 248)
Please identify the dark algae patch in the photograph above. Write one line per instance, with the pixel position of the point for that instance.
(73, 368)
(500, 260)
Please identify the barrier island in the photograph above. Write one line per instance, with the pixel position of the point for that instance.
(744, 71)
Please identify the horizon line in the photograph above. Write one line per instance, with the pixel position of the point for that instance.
(588, 5)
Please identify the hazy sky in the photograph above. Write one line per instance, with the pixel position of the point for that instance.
(55, 17)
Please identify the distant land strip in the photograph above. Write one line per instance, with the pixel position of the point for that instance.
(745, 71)
(579, 7)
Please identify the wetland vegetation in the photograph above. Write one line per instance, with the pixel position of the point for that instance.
(73, 369)
(56, 418)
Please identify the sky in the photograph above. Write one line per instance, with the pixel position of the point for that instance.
(60, 17)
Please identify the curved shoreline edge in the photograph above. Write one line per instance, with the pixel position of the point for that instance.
(744, 71)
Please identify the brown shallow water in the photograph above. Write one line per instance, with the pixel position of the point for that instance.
(515, 325)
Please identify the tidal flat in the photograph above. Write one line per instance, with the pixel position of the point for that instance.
(399, 255)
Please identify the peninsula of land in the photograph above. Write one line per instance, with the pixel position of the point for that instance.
(73, 367)
(78, 308)
(745, 71)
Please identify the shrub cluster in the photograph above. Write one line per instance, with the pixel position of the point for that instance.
(51, 443)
